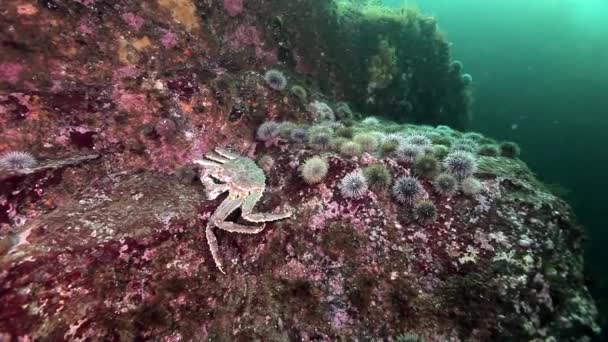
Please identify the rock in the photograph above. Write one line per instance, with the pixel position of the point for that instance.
(130, 253)
(111, 245)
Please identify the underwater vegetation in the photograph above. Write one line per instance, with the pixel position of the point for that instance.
(319, 160)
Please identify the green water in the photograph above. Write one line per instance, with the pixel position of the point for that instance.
(540, 70)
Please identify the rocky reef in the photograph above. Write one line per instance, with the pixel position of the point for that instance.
(103, 215)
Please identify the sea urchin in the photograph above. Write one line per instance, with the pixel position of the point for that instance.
(17, 160)
(353, 185)
(275, 79)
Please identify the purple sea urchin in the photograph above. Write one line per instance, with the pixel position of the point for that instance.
(275, 79)
(17, 160)
(408, 153)
(320, 139)
(353, 185)
(268, 130)
(466, 145)
(460, 164)
(314, 170)
(321, 111)
(299, 135)
(407, 190)
(394, 138)
(418, 140)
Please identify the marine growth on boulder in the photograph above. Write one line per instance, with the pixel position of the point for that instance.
(363, 209)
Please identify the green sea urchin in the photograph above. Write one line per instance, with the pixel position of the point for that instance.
(426, 166)
(425, 212)
(509, 149)
(445, 184)
(378, 176)
(314, 170)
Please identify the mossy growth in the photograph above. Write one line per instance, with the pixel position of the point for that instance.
(440, 151)
(299, 93)
(409, 337)
(388, 147)
(382, 67)
(285, 129)
(266, 162)
(343, 111)
(425, 212)
(489, 150)
(337, 142)
(378, 176)
(360, 295)
(320, 137)
(368, 142)
(350, 149)
(345, 132)
(509, 149)
(426, 166)
(442, 140)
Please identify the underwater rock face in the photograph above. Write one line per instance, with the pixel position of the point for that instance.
(104, 238)
(128, 257)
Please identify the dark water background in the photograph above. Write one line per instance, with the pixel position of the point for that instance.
(540, 70)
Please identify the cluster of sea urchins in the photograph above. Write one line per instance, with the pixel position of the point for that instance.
(441, 157)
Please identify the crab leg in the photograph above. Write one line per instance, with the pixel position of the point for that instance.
(218, 219)
(239, 228)
(225, 153)
(207, 163)
(215, 158)
(220, 214)
(247, 211)
(213, 248)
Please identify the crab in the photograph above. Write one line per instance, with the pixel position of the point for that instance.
(245, 183)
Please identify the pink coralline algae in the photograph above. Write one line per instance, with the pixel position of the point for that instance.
(133, 20)
(87, 2)
(245, 35)
(112, 245)
(233, 7)
(168, 39)
(10, 72)
(249, 35)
